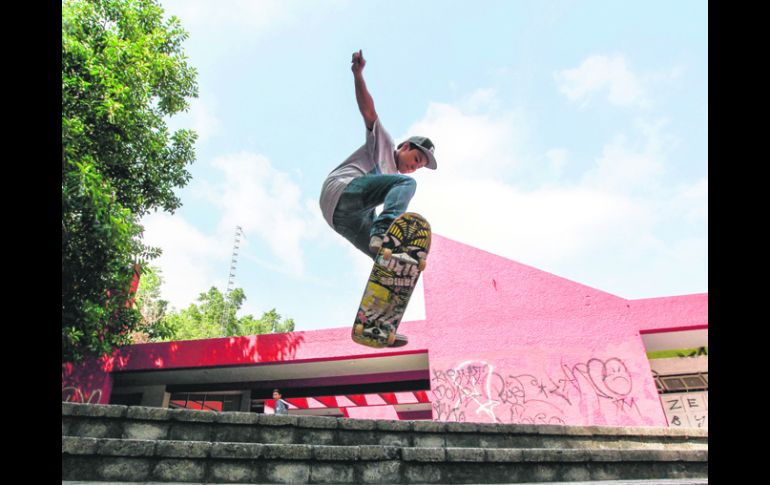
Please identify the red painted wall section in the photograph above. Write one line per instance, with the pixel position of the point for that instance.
(87, 383)
(319, 344)
(93, 378)
(507, 343)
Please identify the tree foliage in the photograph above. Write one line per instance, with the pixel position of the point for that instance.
(123, 72)
(153, 308)
(204, 320)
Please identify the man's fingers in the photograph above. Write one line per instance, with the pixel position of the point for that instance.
(358, 60)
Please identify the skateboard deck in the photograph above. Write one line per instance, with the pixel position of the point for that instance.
(395, 272)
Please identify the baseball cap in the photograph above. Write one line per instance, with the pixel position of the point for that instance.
(426, 146)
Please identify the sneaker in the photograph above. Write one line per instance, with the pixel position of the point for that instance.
(375, 243)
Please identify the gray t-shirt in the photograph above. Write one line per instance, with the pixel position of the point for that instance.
(281, 407)
(374, 156)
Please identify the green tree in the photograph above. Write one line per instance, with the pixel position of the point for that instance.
(152, 307)
(269, 323)
(204, 320)
(123, 72)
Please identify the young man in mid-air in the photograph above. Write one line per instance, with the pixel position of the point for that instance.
(374, 174)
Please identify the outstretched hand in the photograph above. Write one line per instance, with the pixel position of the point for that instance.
(358, 62)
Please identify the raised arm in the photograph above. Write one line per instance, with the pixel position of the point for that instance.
(364, 99)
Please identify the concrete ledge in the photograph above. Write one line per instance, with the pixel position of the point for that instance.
(336, 453)
(429, 426)
(673, 481)
(145, 443)
(237, 418)
(287, 452)
(550, 456)
(192, 415)
(317, 422)
(146, 431)
(378, 453)
(693, 455)
(93, 410)
(116, 447)
(79, 446)
(357, 424)
(401, 426)
(183, 449)
(465, 454)
(504, 455)
(494, 428)
(462, 427)
(204, 462)
(273, 420)
(423, 454)
(236, 450)
(179, 470)
(72, 411)
(147, 413)
(524, 429)
(190, 449)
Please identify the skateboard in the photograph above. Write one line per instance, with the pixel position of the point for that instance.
(396, 269)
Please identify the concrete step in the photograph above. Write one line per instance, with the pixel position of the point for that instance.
(682, 481)
(164, 460)
(146, 423)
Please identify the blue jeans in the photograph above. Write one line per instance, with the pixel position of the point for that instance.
(354, 216)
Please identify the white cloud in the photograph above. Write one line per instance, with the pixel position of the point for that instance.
(205, 122)
(539, 227)
(609, 213)
(623, 169)
(602, 75)
(557, 160)
(692, 200)
(201, 118)
(267, 204)
(472, 145)
(189, 260)
(223, 14)
(480, 99)
(249, 18)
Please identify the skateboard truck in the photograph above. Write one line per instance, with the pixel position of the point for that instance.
(404, 258)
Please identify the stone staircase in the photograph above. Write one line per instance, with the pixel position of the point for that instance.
(129, 444)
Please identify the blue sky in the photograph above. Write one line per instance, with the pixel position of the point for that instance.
(570, 135)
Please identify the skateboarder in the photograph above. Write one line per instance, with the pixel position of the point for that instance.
(374, 174)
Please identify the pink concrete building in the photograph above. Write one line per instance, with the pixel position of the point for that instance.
(501, 342)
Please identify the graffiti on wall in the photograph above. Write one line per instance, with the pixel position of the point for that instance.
(74, 394)
(475, 391)
(686, 410)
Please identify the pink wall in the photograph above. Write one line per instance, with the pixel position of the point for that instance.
(507, 343)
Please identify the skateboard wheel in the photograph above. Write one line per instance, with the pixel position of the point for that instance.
(422, 264)
(391, 338)
(359, 330)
